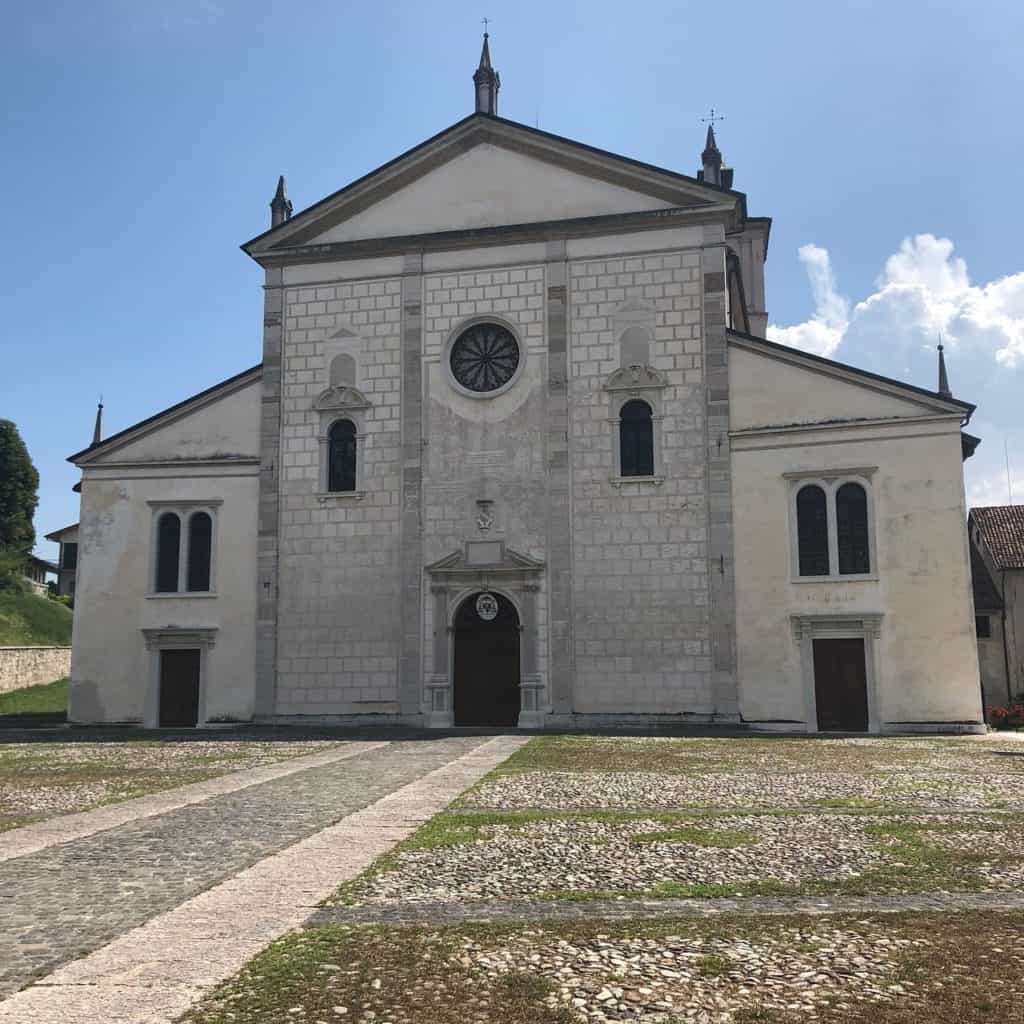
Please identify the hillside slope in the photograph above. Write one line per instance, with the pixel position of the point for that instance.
(26, 618)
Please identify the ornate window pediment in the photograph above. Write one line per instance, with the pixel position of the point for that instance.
(343, 398)
(635, 378)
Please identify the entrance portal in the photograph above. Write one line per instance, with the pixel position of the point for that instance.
(840, 685)
(179, 688)
(486, 677)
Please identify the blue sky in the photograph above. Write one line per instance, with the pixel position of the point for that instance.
(143, 141)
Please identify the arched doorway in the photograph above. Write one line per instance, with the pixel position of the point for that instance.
(486, 675)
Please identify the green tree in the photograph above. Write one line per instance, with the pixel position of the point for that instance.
(19, 483)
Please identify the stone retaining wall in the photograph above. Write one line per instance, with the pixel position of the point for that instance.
(27, 666)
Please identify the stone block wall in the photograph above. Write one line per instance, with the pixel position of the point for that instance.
(640, 549)
(29, 666)
(339, 631)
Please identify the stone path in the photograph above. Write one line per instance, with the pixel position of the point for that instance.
(30, 838)
(152, 974)
(605, 909)
(65, 900)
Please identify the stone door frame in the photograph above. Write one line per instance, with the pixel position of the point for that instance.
(170, 638)
(483, 566)
(853, 626)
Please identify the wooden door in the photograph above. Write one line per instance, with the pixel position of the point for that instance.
(179, 689)
(840, 685)
(486, 677)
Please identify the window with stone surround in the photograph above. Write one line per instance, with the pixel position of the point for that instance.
(183, 548)
(341, 456)
(832, 526)
(636, 439)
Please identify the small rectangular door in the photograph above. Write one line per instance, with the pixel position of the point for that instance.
(179, 689)
(840, 685)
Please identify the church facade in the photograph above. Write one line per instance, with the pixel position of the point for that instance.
(517, 453)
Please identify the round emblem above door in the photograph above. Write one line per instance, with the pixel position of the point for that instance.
(487, 607)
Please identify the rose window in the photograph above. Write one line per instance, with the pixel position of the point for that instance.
(484, 357)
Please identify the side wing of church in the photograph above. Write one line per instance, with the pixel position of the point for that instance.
(518, 454)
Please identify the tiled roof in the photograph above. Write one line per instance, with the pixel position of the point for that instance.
(1002, 530)
(986, 597)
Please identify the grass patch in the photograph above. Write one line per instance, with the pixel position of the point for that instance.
(723, 839)
(967, 974)
(26, 618)
(46, 698)
(706, 755)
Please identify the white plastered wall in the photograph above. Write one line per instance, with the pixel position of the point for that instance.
(112, 672)
(925, 655)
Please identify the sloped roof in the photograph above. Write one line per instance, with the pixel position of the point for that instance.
(1002, 530)
(808, 359)
(986, 596)
(178, 407)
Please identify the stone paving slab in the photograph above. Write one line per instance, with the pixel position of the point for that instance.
(63, 901)
(153, 973)
(604, 909)
(31, 838)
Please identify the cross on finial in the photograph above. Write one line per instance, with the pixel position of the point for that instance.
(486, 22)
(712, 117)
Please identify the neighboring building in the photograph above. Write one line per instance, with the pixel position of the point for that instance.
(67, 561)
(36, 572)
(997, 564)
(518, 453)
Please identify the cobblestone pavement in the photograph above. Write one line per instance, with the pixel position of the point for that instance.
(582, 910)
(61, 902)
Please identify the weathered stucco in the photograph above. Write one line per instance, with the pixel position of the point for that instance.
(113, 671)
(926, 663)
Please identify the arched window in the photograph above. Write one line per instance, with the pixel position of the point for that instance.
(341, 456)
(168, 550)
(200, 537)
(636, 439)
(812, 531)
(852, 530)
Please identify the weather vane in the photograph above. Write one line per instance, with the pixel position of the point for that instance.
(486, 21)
(712, 117)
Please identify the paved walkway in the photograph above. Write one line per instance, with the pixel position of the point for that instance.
(67, 899)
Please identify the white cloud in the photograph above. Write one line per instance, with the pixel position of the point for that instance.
(823, 333)
(925, 291)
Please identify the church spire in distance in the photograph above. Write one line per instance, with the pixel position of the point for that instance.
(713, 169)
(97, 431)
(280, 205)
(487, 81)
(943, 377)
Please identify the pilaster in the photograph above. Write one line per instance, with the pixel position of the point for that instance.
(559, 539)
(410, 695)
(269, 495)
(721, 564)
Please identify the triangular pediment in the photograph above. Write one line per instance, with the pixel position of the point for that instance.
(485, 172)
(485, 555)
(220, 424)
(773, 386)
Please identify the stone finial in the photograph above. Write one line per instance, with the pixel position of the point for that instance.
(487, 82)
(280, 205)
(97, 430)
(943, 376)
